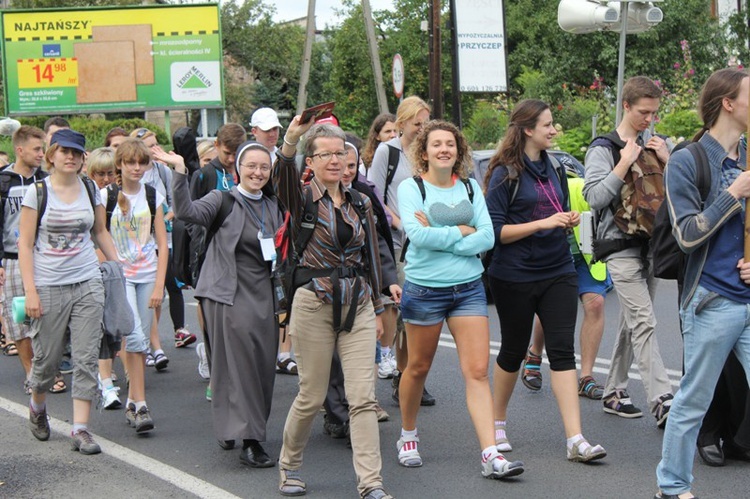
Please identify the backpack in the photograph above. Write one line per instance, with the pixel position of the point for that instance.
(288, 275)
(420, 183)
(643, 190)
(669, 259)
(113, 190)
(393, 157)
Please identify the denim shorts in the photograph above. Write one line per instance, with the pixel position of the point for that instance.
(586, 282)
(424, 306)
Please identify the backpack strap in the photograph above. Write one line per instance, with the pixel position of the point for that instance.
(151, 200)
(612, 141)
(41, 202)
(227, 203)
(702, 171)
(112, 191)
(307, 224)
(393, 157)
(91, 192)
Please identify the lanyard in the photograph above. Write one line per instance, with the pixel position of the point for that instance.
(262, 221)
(551, 196)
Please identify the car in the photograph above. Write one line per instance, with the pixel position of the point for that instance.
(481, 160)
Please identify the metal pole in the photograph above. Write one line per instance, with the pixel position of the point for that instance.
(307, 56)
(456, 94)
(621, 60)
(436, 91)
(377, 70)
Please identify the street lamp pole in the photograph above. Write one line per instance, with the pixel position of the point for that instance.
(621, 60)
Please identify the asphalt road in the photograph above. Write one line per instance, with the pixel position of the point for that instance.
(180, 458)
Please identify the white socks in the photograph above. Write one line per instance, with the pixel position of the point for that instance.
(583, 444)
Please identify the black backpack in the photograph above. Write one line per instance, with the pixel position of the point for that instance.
(669, 259)
(393, 157)
(41, 198)
(113, 190)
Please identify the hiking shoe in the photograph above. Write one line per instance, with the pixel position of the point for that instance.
(532, 371)
(381, 414)
(203, 371)
(84, 442)
(662, 410)
(66, 366)
(498, 468)
(387, 366)
(408, 453)
(149, 359)
(377, 494)
(427, 399)
(290, 483)
(143, 421)
(130, 414)
(587, 387)
(39, 424)
(619, 404)
(335, 430)
(584, 452)
(183, 338)
(160, 361)
(208, 393)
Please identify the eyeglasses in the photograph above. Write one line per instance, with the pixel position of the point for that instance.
(326, 156)
(104, 174)
(255, 168)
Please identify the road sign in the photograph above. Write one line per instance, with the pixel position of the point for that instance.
(397, 75)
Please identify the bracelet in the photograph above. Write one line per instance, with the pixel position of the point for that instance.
(289, 143)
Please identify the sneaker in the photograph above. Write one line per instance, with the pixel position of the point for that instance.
(39, 424)
(387, 366)
(619, 404)
(381, 414)
(143, 421)
(83, 442)
(587, 387)
(662, 410)
(203, 371)
(130, 414)
(66, 366)
(377, 494)
(111, 397)
(498, 468)
(532, 371)
(584, 452)
(208, 393)
(408, 452)
(160, 361)
(183, 338)
(335, 430)
(149, 359)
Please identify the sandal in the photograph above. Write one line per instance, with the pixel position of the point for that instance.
(584, 452)
(408, 453)
(27, 387)
(59, 386)
(532, 371)
(2, 340)
(587, 387)
(286, 366)
(291, 483)
(10, 350)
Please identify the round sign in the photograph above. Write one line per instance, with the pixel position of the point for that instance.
(398, 75)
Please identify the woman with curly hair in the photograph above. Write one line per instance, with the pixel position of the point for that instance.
(445, 217)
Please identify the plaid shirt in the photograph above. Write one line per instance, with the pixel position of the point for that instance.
(324, 251)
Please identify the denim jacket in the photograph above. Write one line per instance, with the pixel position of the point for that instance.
(693, 225)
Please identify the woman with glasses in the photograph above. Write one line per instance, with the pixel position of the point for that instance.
(335, 304)
(236, 295)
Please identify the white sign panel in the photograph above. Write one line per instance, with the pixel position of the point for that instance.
(480, 34)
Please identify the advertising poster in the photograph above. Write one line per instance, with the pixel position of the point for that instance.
(112, 59)
(480, 35)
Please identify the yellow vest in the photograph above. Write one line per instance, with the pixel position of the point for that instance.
(578, 203)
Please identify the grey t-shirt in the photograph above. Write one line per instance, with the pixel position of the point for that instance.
(13, 210)
(64, 252)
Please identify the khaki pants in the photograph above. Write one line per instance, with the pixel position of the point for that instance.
(313, 339)
(636, 338)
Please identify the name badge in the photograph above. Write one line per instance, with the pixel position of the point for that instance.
(268, 248)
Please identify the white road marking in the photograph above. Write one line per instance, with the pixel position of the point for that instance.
(178, 478)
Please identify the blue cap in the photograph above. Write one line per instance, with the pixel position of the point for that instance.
(71, 139)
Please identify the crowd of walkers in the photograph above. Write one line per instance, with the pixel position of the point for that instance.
(391, 239)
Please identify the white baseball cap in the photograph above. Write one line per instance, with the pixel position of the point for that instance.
(265, 118)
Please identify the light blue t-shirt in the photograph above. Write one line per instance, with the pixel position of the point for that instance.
(438, 256)
(64, 252)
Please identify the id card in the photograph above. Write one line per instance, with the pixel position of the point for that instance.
(268, 248)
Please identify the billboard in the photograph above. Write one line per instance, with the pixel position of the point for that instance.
(480, 36)
(71, 61)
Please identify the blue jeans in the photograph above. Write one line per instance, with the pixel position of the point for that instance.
(139, 296)
(425, 306)
(706, 348)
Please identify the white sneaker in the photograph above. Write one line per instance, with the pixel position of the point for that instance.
(200, 350)
(387, 366)
(110, 396)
